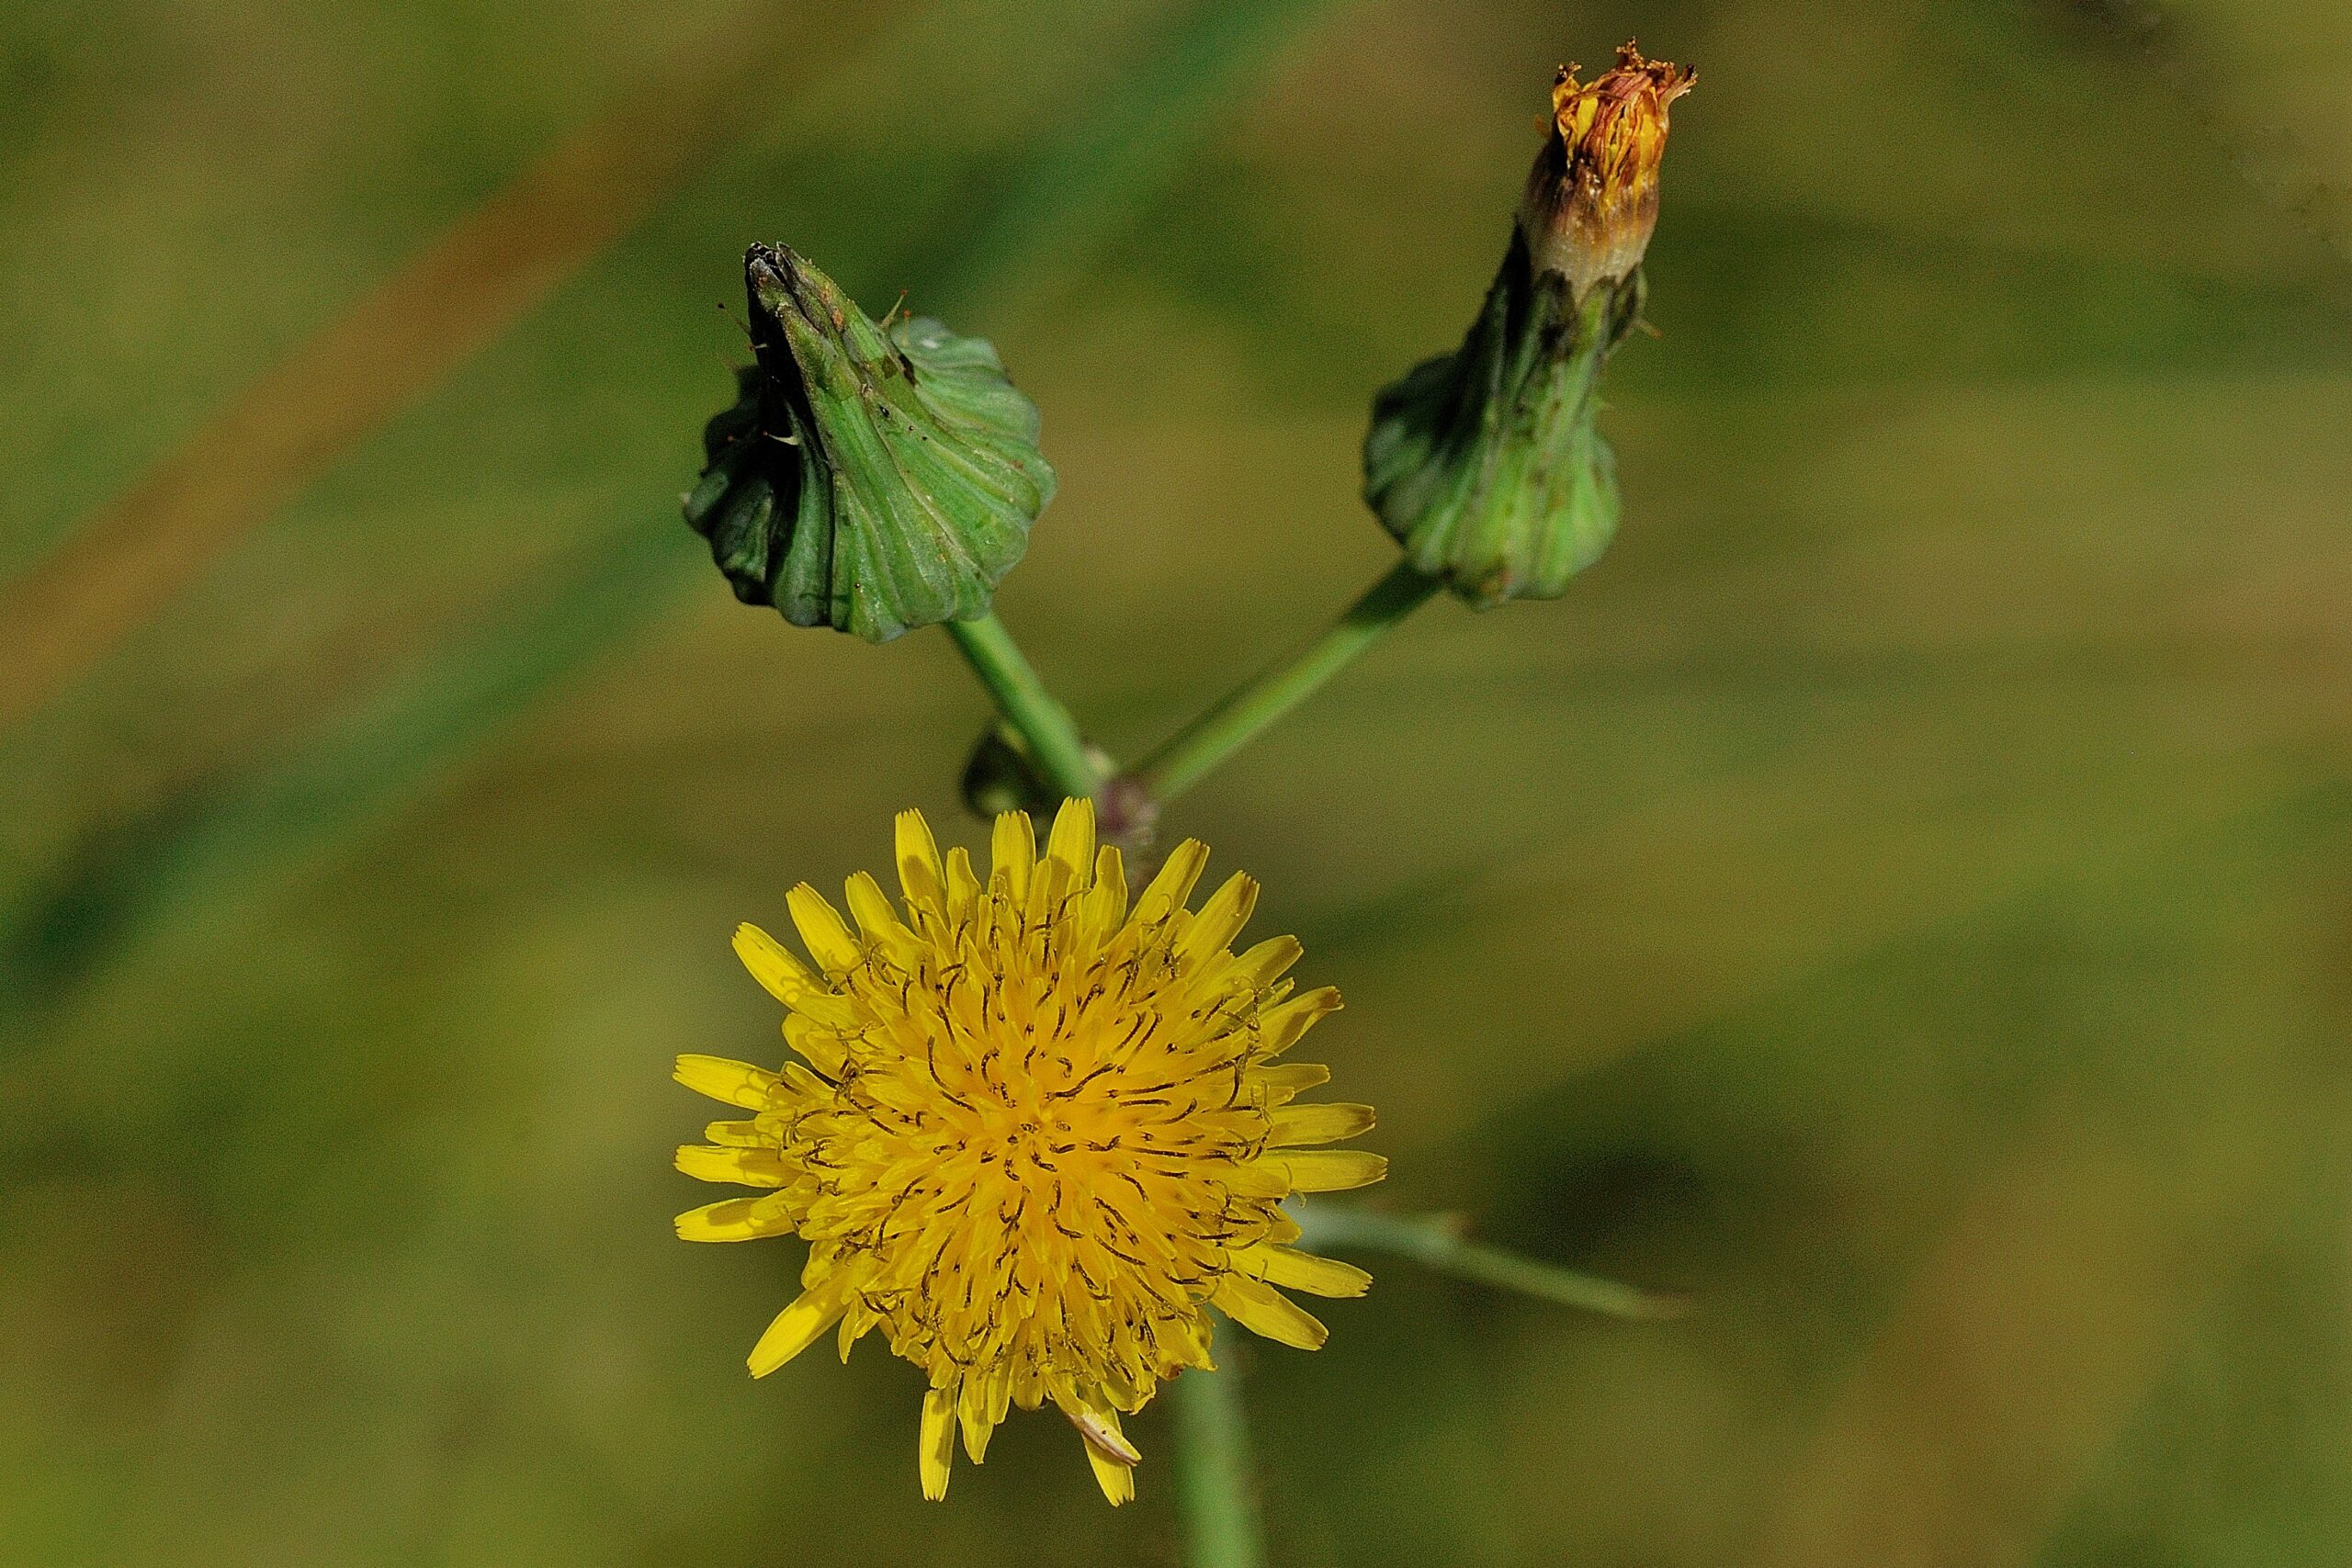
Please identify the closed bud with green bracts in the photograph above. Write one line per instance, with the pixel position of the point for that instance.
(1001, 775)
(871, 476)
(1486, 464)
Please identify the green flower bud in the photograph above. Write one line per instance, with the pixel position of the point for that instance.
(1001, 774)
(871, 477)
(1486, 464)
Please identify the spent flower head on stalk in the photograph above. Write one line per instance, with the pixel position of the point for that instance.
(870, 477)
(1486, 464)
(1035, 1132)
(1592, 200)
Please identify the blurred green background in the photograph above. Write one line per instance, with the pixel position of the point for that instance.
(1902, 897)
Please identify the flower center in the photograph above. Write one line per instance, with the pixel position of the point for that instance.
(1054, 1181)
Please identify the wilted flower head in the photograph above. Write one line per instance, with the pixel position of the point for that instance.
(1034, 1133)
(1591, 201)
(1486, 464)
(872, 476)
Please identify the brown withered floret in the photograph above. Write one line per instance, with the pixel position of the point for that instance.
(1592, 200)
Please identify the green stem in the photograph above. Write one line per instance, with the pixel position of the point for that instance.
(1436, 1241)
(1226, 727)
(1216, 1496)
(1055, 745)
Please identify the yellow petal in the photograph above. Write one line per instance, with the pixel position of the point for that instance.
(781, 975)
(1295, 1124)
(799, 1326)
(963, 887)
(736, 1083)
(1097, 1422)
(818, 1044)
(1304, 1271)
(1189, 1341)
(1174, 884)
(1106, 901)
(749, 1167)
(1071, 844)
(1261, 1177)
(938, 1442)
(737, 1134)
(1108, 1452)
(824, 932)
(1264, 1310)
(737, 1219)
(1282, 1026)
(1012, 850)
(1269, 961)
(855, 1321)
(802, 1087)
(1221, 918)
(1286, 1083)
(979, 1421)
(1327, 1170)
(1117, 1480)
(921, 874)
(870, 907)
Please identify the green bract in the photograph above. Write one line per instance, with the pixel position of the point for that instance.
(870, 478)
(1485, 463)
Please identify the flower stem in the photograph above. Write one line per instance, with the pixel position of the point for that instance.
(1436, 1241)
(1232, 723)
(1055, 745)
(1216, 1495)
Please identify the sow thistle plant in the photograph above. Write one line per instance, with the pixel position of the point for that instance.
(1038, 1131)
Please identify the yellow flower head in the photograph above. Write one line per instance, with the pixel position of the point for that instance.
(1034, 1133)
(1591, 200)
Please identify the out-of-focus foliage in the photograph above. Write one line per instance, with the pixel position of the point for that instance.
(1905, 888)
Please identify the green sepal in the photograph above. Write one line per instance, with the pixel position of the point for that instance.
(1486, 464)
(872, 478)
